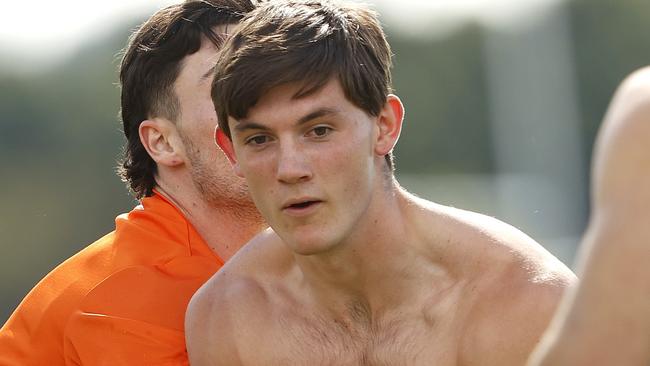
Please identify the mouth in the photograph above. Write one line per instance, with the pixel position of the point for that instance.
(301, 206)
(304, 204)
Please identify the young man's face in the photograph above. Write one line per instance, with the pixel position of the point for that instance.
(211, 172)
(312, 164)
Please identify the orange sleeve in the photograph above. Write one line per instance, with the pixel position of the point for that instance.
(29, 339)
(136, 316)
(95, 339)
(120, 301)
(33, 334)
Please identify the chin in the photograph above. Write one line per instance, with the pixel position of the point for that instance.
(311, 244)
(309, 250)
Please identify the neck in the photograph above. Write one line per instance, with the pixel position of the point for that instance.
(225, 228)
(379, 266)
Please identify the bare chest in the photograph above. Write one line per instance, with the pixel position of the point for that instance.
(412, 340)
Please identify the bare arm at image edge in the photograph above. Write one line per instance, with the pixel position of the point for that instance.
(605, 320)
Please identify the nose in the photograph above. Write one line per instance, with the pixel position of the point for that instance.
(293, 164)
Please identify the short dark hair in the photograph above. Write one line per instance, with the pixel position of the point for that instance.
(150, 66)
(304, 41)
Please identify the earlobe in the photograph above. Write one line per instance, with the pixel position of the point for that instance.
(154, 136)
(225, 143)
(390, 125)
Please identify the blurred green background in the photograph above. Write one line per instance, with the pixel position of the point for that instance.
(501, 118)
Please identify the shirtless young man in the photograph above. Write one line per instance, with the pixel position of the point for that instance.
(605, 320)
(357, 271)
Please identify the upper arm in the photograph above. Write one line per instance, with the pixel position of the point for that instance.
(618, 239)
(615, 291)
(32, 334)
(606, 319)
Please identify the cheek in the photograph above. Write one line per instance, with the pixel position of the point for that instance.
(263, 197)
(254, 166)
(207, 149)
(357, 153)
(357, 161)
(202, 118)
(199, 127)
(258, 172)
(348, 167)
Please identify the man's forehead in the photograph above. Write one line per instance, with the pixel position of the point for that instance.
(280, 104)
(327, 95)
(303, 117)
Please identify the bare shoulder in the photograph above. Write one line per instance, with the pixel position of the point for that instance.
(226, 314)
(215, 315)
(520, 290)
(636, 85)
(510, 318)
(516, 271)
(516, 287)
(489, 247)
(628, 116)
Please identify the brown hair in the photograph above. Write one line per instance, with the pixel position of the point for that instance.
(150, 66)
(309, 42)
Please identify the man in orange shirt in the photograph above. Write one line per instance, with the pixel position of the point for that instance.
(605, 320)
(121, 300)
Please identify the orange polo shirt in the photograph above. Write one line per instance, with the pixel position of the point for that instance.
(120, 301)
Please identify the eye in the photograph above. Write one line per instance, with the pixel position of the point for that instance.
(320, 131)
(257, 140)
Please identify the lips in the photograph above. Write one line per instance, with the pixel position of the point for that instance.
(300, 206)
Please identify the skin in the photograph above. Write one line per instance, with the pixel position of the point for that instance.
(216, 201)
(605, 319)
(365, 274)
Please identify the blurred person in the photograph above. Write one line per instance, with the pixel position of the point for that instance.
(605, 319)
(356, 270)
(122, 300)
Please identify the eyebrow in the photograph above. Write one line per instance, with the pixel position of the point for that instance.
(249, 125)
(321, 112)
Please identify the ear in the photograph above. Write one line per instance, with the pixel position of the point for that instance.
(390, 125)
(155, 137)
(225, 143)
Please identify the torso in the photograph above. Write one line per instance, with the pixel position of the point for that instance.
(280, 325)
(310, 339)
